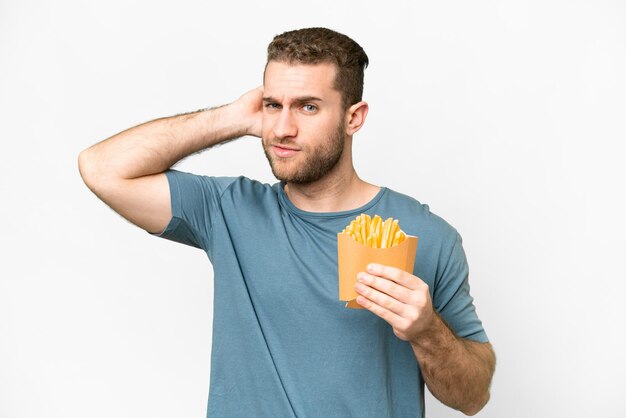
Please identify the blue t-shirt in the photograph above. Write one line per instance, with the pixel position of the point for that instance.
(283, 343)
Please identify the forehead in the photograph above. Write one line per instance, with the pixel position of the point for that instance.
(292, 80)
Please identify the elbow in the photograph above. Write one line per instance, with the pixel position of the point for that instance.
(92, 176)
(479, 398)
(82, 160)
(477, 406)
(85, 166)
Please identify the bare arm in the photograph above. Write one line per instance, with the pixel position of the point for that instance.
(457, 371)
(126, 170)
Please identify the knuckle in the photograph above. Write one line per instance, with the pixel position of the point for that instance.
(382, 313)
(387, 271)
(411, 315)
(395, 274)
(384, 286)
(420, 301)
(387, 303)
(401, 334)
(416, 300)
(404, 326)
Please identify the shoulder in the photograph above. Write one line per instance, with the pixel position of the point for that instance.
(247, 187)
(417, 219)
(216, 184)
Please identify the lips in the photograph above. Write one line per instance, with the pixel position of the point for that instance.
(284, 151)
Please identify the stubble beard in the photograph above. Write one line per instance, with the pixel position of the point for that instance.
(319, 161)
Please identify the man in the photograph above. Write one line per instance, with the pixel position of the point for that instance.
(283, 344)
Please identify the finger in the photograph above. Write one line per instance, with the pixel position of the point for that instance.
(389, 316)
(396, 291)
(381, 299)
(397, 275)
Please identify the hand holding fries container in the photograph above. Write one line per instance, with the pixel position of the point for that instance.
(353, 257)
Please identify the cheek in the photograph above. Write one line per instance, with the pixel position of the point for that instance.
(318, 126)
(330, 127)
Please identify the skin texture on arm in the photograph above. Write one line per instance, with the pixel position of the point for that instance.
(126, 170)
(457, 371)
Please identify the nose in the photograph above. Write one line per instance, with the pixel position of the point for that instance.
(285, 126)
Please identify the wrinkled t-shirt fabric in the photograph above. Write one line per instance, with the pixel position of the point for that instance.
(283, 344)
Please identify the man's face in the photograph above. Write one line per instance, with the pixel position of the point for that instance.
(303, 121)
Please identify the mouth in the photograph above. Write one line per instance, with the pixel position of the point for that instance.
(283, 151)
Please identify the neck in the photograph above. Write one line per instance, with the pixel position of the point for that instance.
(340, 190)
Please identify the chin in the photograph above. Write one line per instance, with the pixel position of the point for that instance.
(283, 174)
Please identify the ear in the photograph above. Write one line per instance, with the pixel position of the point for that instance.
(355, 117)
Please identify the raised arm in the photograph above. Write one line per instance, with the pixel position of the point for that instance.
(126, 170)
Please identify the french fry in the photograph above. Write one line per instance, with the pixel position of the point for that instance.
(363, 229)
(377, 232)
(392, 232)
(374, 232)
(398, 238)
(386, 227)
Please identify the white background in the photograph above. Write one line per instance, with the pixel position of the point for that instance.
(507, 118)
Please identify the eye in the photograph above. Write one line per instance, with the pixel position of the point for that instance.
(309, 108)
(272, 106)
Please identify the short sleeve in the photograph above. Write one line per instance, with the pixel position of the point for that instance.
(451, 296)
(195, 201)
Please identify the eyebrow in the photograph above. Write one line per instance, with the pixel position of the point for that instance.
(300, 99)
